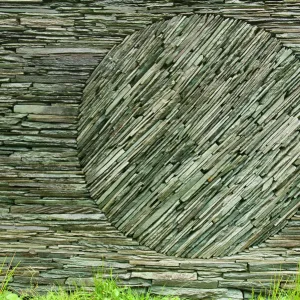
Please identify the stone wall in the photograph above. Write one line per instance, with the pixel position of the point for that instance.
(182, 133)
(48, 218)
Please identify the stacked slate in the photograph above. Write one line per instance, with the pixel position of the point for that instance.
(48, 50)
(189, 136)
(67, 246)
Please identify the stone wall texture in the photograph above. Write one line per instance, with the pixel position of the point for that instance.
(107, 160)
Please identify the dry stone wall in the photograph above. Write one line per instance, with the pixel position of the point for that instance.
(182, 133)
(48, 219)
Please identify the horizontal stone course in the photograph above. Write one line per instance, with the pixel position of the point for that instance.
(48, 51)
(165, 275)
(45, 110)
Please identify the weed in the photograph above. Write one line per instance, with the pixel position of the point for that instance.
(8, 274)
(104, 289)
(282, 290)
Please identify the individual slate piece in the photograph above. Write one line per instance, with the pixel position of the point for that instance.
(189, 136)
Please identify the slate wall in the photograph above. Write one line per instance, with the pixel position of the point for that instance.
(48, 219)
(182, 133)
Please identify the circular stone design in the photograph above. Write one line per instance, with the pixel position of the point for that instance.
(189, 136)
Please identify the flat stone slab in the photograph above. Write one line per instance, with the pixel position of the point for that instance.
(45, 110)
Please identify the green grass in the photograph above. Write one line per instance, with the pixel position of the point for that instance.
(104, 289)
(282, 290)
(6, 277)
(108, 289)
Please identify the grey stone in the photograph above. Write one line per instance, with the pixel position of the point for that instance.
(46, 110)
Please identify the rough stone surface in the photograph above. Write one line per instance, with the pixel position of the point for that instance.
(187, 137)
(48, 51)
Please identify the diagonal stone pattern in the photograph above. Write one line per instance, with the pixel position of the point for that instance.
(189, 136)
(48, 51)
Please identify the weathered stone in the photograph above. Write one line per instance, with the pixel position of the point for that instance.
(46, 110)
(263, 266)
(165, 275)
(199, 284)
(197, 293)
(48, 51)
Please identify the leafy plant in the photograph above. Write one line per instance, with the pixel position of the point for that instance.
(6, 295)
(8, 274)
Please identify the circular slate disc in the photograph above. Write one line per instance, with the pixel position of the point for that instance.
(189, 136)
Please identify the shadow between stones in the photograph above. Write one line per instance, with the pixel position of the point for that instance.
(189, 136)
